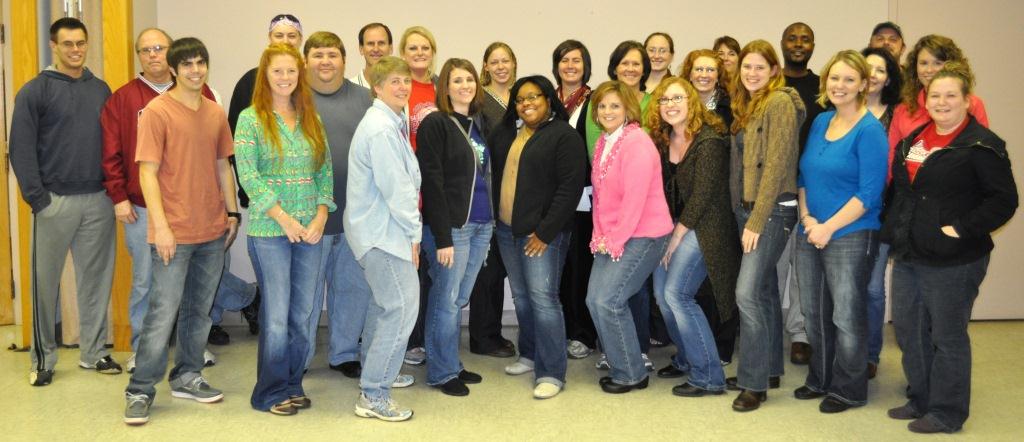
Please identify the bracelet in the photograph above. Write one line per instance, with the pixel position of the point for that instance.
(235, 215)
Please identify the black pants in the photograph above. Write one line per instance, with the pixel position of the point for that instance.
(486, 304)
(725, 333)
(575, 277)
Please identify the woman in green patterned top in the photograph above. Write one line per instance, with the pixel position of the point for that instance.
(280, 153)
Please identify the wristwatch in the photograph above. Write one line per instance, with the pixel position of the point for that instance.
(235, 215)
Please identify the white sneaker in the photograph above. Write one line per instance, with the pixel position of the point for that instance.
(130, 365)
(416, 356)
(520, 366)
(545, 390)
(647, 362)
(386, 410)
(403, 380)
(209, 360)
(603, 363)
(578, 350)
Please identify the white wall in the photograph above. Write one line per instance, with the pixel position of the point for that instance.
(989, 32)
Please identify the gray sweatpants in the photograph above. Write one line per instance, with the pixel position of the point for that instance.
(85, 224)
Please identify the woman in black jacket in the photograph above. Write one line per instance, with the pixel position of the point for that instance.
(953, 187)
(540, 162)
(455, 165)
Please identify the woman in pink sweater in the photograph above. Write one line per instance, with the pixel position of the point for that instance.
(631, 229)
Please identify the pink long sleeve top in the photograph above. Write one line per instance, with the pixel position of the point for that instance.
(629, 199)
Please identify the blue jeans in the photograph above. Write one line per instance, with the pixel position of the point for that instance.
(676, 287)
(233, 293)
(534, 283)
(876, 303)
(612, 284)
(833, 288)
(142, 272)
(348, 297)
(759, 304)
(287, 273)
(183, 289)
(449, 293)
(931, 307)
(389, 319)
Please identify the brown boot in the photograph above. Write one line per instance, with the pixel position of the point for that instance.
(749, 400)
(800, 353)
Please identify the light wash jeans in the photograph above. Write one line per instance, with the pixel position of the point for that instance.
(612, 284)
(389, 320)
(183, 289)
(759, 304)
(834, 283)
(534, 283)
(676, 288)
(449, 293)
(142, 272)
(288, 273)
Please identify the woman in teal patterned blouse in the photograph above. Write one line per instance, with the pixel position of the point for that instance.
(280, 154)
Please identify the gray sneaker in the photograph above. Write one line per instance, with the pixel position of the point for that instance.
(416, 356)
(136, 410)
(196, 389)
(578, 350)
(385, 410)
(403, 380)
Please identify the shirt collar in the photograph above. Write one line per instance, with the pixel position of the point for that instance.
(396, 118)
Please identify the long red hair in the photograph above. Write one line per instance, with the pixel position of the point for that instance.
(744, 104)
(302, 99)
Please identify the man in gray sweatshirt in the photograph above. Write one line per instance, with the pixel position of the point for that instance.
(56, 151)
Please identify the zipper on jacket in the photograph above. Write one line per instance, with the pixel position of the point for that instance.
(949, 148)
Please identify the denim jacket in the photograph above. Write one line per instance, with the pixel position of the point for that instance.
(382, 209)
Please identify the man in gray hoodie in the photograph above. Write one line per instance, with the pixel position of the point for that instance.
(56, 151)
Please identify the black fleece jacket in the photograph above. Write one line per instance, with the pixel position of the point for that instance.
(968, 185)
(550, 181)
(449, 170)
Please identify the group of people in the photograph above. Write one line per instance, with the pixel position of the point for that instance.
(405, 193)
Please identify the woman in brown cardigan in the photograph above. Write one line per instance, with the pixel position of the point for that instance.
(695, 168)
(763, 181)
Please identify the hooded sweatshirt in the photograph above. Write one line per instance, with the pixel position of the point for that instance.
(56, 142)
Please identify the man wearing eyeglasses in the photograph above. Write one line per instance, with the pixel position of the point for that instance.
(119, 119)
(55, 149)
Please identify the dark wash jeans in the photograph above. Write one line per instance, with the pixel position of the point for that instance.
(833, 288)
(930, 310)
(759, 305)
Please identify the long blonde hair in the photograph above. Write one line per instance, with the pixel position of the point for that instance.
(744, 105)
(302, 99)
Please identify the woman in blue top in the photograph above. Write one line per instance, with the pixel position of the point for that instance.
(842, 173)
(456, 169)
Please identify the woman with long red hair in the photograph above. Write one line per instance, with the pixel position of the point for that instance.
(280, 150)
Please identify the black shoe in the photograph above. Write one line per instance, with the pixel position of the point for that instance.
(604, 380)
(749, 400)
(615, 388)
(688, 390)
(40, 378)
(904, 412)
(927, 425)
(218, 336)
(670, 372)
(732, 383)
(351, 369)
(832, 405)
(251, 313)
(105, 365)
(454, 387)
(500, 352)
(469, 377)
(804, 393)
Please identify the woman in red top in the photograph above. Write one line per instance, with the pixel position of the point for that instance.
(418, 47)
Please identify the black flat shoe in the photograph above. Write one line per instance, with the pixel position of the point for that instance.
(904, 412)
(832, 405)
(688, 390)
(732, 383)
(749, 400)
(604, 380)
(804, 393)
(469, 377)
(926, 425)
(351, 369)
(616, 388)
(670, 372)
(500, 352)
(454, 387)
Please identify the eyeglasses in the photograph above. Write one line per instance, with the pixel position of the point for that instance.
(152, 50)
(531, 98)
(677, 99)
(69, 45)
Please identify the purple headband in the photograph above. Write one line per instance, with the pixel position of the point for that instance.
(285, 19)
